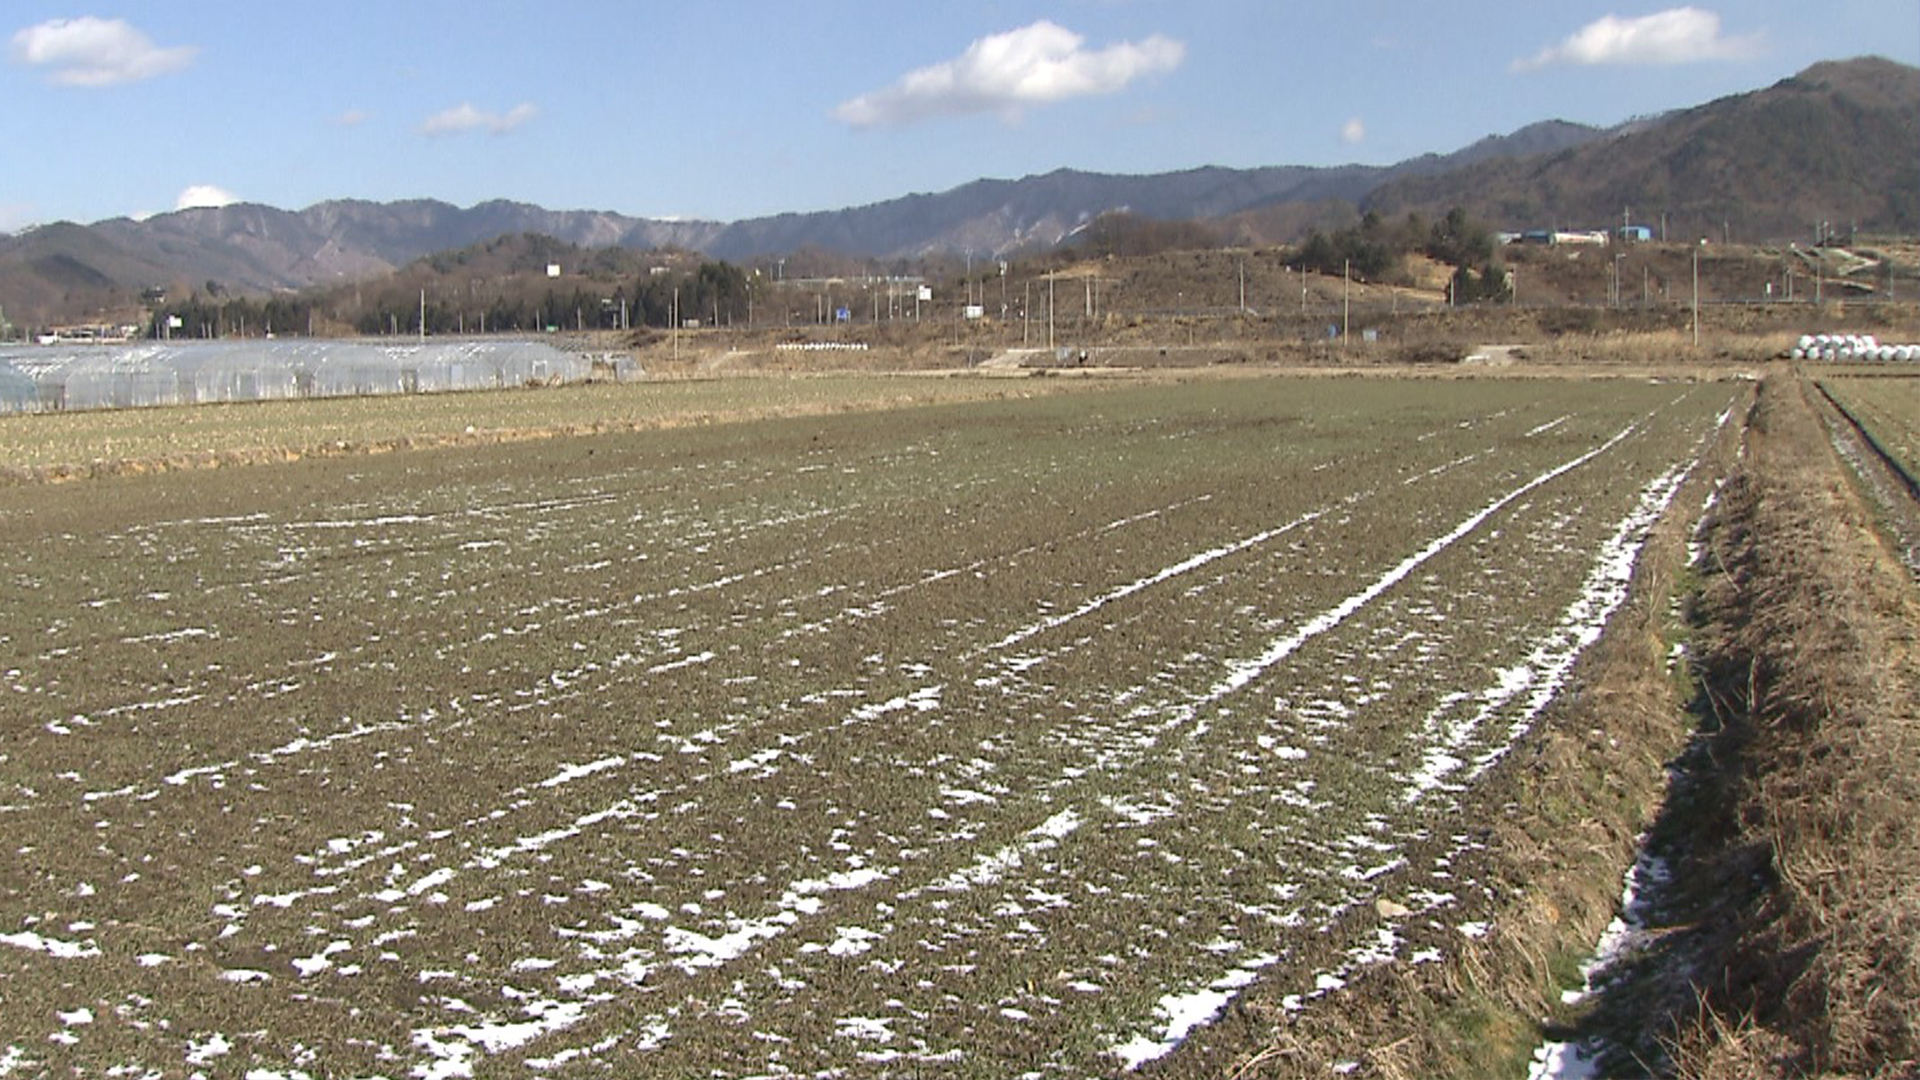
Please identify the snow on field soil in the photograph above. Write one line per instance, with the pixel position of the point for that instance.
(950, 751)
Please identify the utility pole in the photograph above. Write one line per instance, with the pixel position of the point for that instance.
(1346, 301)
(1696, 296)
(1049, 310)
(423, 314)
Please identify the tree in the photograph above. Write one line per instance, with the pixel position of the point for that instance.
(717, 291)
(1490, 284)
(1367, 251)
(1459, 240)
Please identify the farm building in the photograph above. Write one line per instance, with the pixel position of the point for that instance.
(103, 377)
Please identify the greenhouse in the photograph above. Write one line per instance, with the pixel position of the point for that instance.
(48, 378)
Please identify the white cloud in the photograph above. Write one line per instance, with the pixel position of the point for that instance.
(1677, 36)
(351, 118)
(464, 117)
(1353, 131)
(1003, 73)
(202, 196)
(90, 51)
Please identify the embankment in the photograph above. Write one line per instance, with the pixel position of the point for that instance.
(1813, 670)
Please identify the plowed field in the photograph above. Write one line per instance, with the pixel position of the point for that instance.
(979, 740)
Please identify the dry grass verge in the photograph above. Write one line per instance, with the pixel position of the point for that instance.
(1812, 662)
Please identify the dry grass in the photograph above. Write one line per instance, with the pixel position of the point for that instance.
(1813, 650)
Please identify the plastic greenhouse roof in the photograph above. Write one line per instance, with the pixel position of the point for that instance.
(169, 373)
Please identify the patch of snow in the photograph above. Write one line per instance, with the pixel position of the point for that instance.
(1180, 1014)
(1562, 1061)
(203, 1052)
(852, 941)
(54, 947)
(989, 868)
(865, 1028)
(570, 773)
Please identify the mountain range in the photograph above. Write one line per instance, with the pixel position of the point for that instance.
(1834, 144)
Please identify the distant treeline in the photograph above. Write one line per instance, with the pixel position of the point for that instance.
(504, 285)
(711, 293)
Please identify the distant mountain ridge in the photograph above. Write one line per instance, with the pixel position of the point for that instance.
(1833, 143)
(994, 217)
(254, 248)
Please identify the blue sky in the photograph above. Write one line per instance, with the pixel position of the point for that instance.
(730, 110)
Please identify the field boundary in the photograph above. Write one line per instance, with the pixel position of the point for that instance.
(1809, 662)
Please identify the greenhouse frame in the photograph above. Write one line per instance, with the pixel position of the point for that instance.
(54, 378)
